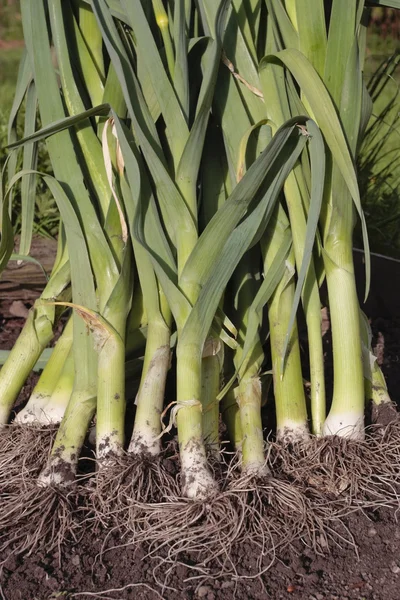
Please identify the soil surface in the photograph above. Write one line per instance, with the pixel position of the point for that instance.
(363, 565)
(370, 570)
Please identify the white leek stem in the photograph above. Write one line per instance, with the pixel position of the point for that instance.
(197, 481)
(41, 406)
(62, 392)
(23, 357)
(291, 414)
(249, 402)
(63, 461)
(346, 417)
(150, 398)
(110, 394)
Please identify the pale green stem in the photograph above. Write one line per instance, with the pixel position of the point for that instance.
(64, 386)
(110, 341)
(210, 386)
(41, 406)
(291, 413)
(33, 339)
(89, 47)
(346, 417)
(249, 390)
(249, 402)
(111, 398)
(311, 305)
(63, 462)
(23, 357)
(150, 398)
(376, 388)
(197, 481)
(374, 380)
(231, 417)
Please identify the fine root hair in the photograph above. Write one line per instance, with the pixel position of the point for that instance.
(348, 473)
(23, 454)
(268, 513)
(37, 517)
(127, 483)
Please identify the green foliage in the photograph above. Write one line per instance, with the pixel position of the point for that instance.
(379, 161)
(46, 218)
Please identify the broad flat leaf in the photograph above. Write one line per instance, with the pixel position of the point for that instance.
(62, 125)
(23, 79)
(181, 72)
(167, 100)
(28, 185)
(312, 32)
(189, 164)
(317, 159)
(177, 218)
(213, 238)
(255, 313)
(239, 241)
(142, 212)
(340, 41)
(327, 120)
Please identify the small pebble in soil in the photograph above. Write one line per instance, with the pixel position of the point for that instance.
(203, 591)
(227, 584)
(394, 568)
(372, 531)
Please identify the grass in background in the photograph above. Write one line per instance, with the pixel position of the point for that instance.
(379, 172)
(10, 20)
(46, 214)
(9, 61)
(11, 37)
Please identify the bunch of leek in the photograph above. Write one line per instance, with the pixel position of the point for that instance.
(203, 157)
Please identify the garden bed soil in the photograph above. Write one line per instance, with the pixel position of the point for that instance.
(366, 567)
(370, 570)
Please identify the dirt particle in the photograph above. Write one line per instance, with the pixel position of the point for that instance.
(227, 584)
(395, 568)
(203, 591)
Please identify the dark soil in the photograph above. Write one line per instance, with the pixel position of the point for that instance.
(368, 570)
(365, 567)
